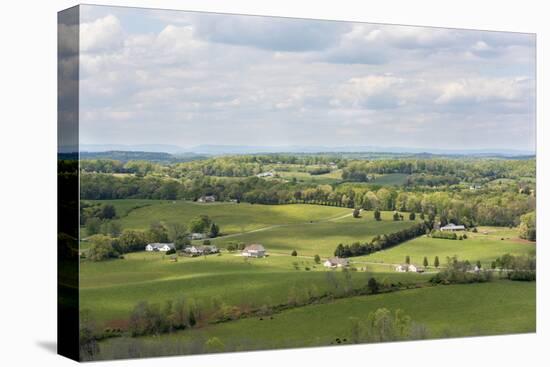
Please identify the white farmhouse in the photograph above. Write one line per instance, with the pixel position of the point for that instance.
(207, 199)
(160, 247)
(451, 227)
(336, 262)
(254, 250)
(403, 268)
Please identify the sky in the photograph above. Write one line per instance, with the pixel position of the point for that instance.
(188, 79)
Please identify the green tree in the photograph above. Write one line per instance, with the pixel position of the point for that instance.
(425, 262)
(412, 216)
(317, 259)
(214, 230)
(528, 226)
(436, 262)
(407, 260)
(108, 211)
(101, 248)
(396, 216)
(93, 226)
(200, 224)
(373, 285)
(356, 213)
(294, 253)
(377, 215)
(177, 234)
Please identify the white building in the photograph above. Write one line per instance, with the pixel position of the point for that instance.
(451, 227)
(206, 199)
(160, 247)
(336, 262)
(265, 174)
(254, 250)
(403, 268)
(196, 236)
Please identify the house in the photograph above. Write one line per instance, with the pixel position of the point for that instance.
(451, 227)
(160, 247)
(254, 250)
(201, 250)
(265, 174)
(206, 199)
(336, 262)
(406, 268)
(196, 236)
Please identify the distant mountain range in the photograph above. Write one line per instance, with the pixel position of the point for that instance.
(249, 149)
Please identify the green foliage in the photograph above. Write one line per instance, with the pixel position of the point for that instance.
(528, 226)
(317, 259)
(101, 248)
(200, 224)
(436, 262)
(377, 214)
(356, 213)
(444, 235)
(294, 253)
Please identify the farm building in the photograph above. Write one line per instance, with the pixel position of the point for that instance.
(265, 174)
(451, 227)
(406, 268)
(207, 199)
(201, 250)
(160, 247)
(336, 262)
(254, 250)
(196, 236)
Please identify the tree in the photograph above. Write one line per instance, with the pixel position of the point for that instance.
(214, 230)
(412, 216)
(294, 253)
(101, 248)
(372, 285)
(356, 212)
(377, 214)
(425, 262)
(478, 264)
(317, 259)
(93, 226)
(177, 234)
(436, 262)
(200, 224)
(107, 212)
(396, 216)
(527, 227)
(407, 260)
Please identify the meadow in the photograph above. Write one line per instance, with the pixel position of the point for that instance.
(445, 311)
(477, 247)
(110, 289)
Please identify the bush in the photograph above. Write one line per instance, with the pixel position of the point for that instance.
(171, 251)
(294, 253)
(444, 235)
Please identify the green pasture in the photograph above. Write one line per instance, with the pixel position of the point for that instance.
(478, 246)
(501, 307)
(110, 289)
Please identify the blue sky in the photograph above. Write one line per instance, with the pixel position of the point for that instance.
(183, 78)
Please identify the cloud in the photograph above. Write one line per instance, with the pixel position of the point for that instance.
(280, 34)
(480, 90)
(101, 34)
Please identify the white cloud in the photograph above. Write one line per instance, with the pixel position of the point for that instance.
(101, 34)
(479, 90)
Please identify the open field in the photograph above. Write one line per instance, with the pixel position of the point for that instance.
(327, 178)
(478, 246)
(446, 311)
(231, 217)
(110, 289)
(391, 179)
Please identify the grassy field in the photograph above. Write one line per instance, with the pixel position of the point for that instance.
(231, 217)
(479, 246)
(110, 289)
(327, 178)
(389, 179)
(446, 311)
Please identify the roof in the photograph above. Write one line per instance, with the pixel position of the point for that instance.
(338, 261)
(254, 247)
(452, 225)
(159, 245)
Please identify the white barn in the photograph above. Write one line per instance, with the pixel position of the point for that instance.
(254, 250)
(336, 262)
(451, 227)
(403, 268)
